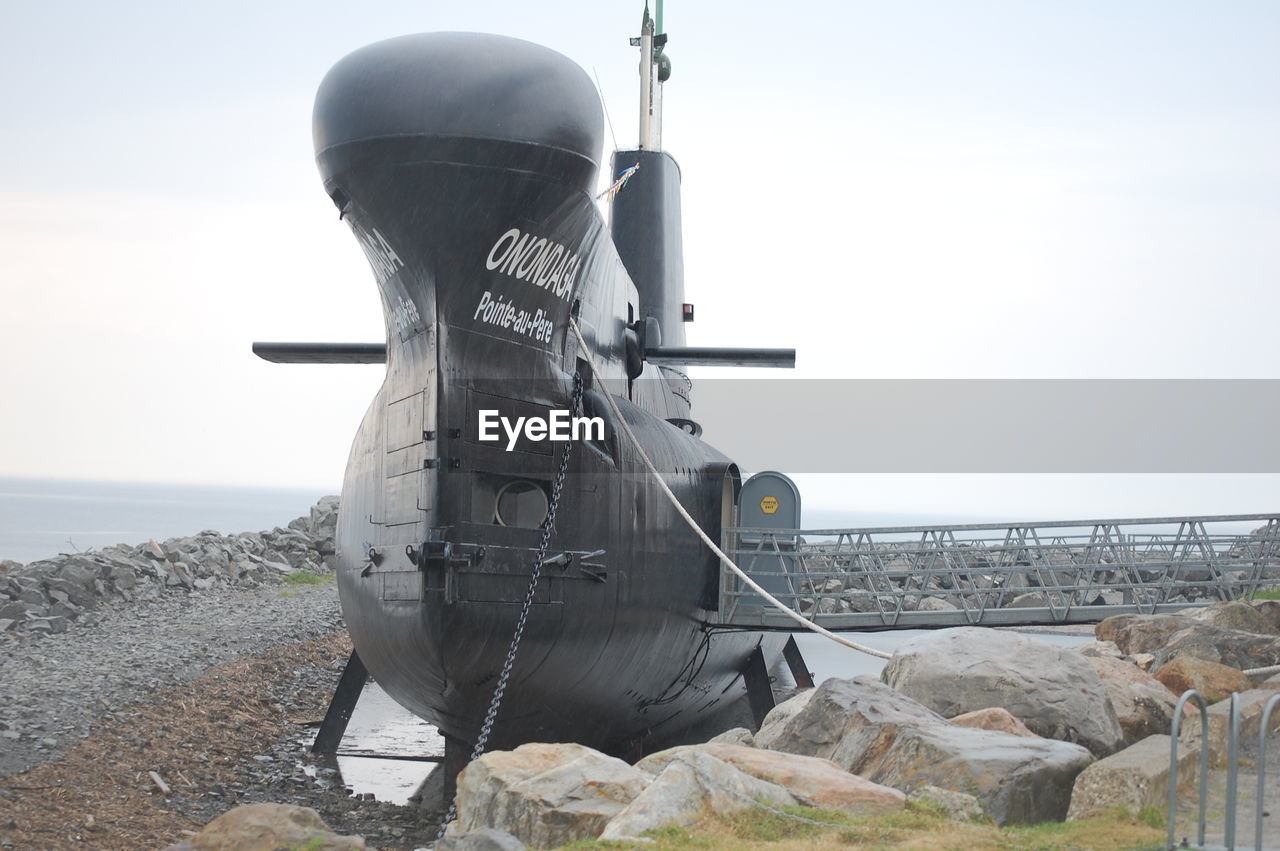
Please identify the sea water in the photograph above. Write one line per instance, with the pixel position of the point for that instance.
(43, 517)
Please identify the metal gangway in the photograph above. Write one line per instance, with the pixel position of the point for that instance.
(1003, 574)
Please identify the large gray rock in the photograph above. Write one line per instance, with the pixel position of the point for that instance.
(994, 718)
(1142, 633)
(1235, 614)
(873, 731)
(1230, 647)
(1100, 648)
(936, 604)
(691, 786)
(270, 826)
(545, 794)
(778, 717)
(812, 781)
(1053, 690)
(484, 839)
(1211, 680)
(959, 806)
(735, 736)
(1269, 609)
(1136, 777)
(1143, 705)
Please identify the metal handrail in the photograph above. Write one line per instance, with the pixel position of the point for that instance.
(884, 581)
(1046, 524)
(1173, 763)
(1262, 767)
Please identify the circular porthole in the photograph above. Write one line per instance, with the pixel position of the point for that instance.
(522, 504)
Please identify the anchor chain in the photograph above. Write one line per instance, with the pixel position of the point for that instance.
(548, 525)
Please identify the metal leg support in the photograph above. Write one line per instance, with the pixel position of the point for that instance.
(457, 754)
(799, 670)
(341, 706)
(759, 690)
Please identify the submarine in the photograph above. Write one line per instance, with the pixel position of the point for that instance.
(498, 529)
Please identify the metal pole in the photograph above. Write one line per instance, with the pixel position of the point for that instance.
(1262, 767)
(1190, 694)
(348, 691)
(646, 82)
(1233, 742)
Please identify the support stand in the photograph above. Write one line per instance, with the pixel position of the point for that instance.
(439, 788)
(759, 689)
(799, 670)
(350, 685)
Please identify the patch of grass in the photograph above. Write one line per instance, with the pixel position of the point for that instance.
(1118, 827)
(315, 843)
(1272, 593)
(302, 577)
(765, 826)
(919, 826)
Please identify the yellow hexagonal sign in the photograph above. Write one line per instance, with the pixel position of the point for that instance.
(769, 505)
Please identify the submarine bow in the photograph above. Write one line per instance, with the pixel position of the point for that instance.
(464, 165)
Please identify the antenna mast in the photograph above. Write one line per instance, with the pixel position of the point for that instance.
(655, 69)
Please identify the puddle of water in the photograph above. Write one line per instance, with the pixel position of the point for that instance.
(381, 726)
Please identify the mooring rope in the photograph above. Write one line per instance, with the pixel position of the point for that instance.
(1259, 672)
(693, 524)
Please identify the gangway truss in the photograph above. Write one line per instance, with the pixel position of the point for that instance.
(1004, 574)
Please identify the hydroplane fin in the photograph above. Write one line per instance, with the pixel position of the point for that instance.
(720, 356)
(321, 352)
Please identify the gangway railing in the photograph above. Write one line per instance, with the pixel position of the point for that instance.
(1011, 574)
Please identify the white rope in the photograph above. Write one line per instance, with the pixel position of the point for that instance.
(1258, 672)
(693, 524)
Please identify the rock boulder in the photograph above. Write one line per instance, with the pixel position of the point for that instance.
(813, 781)
(1269, 609)
(1213, 681)
(1230, 647)
(269, 826)
(1147, 633)
(869, 729)
(545, 795)
(1235, 614)
(1051, 689)
(736, 736)
(1136, 777)
(1143, 705)
(777, 718)
(960, 806)
(994, 718)
(691, 786)
(484, 839)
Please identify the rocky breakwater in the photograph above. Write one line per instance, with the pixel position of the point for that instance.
(1053, 690)
(869, 729)
(1147, 662)
(977, 720)
(51, 595)
(545, 795)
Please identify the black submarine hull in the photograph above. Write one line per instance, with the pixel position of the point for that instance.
(464, 165)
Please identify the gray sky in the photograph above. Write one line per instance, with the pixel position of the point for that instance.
(944, 190)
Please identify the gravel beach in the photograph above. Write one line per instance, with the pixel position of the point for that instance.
(216, 690)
